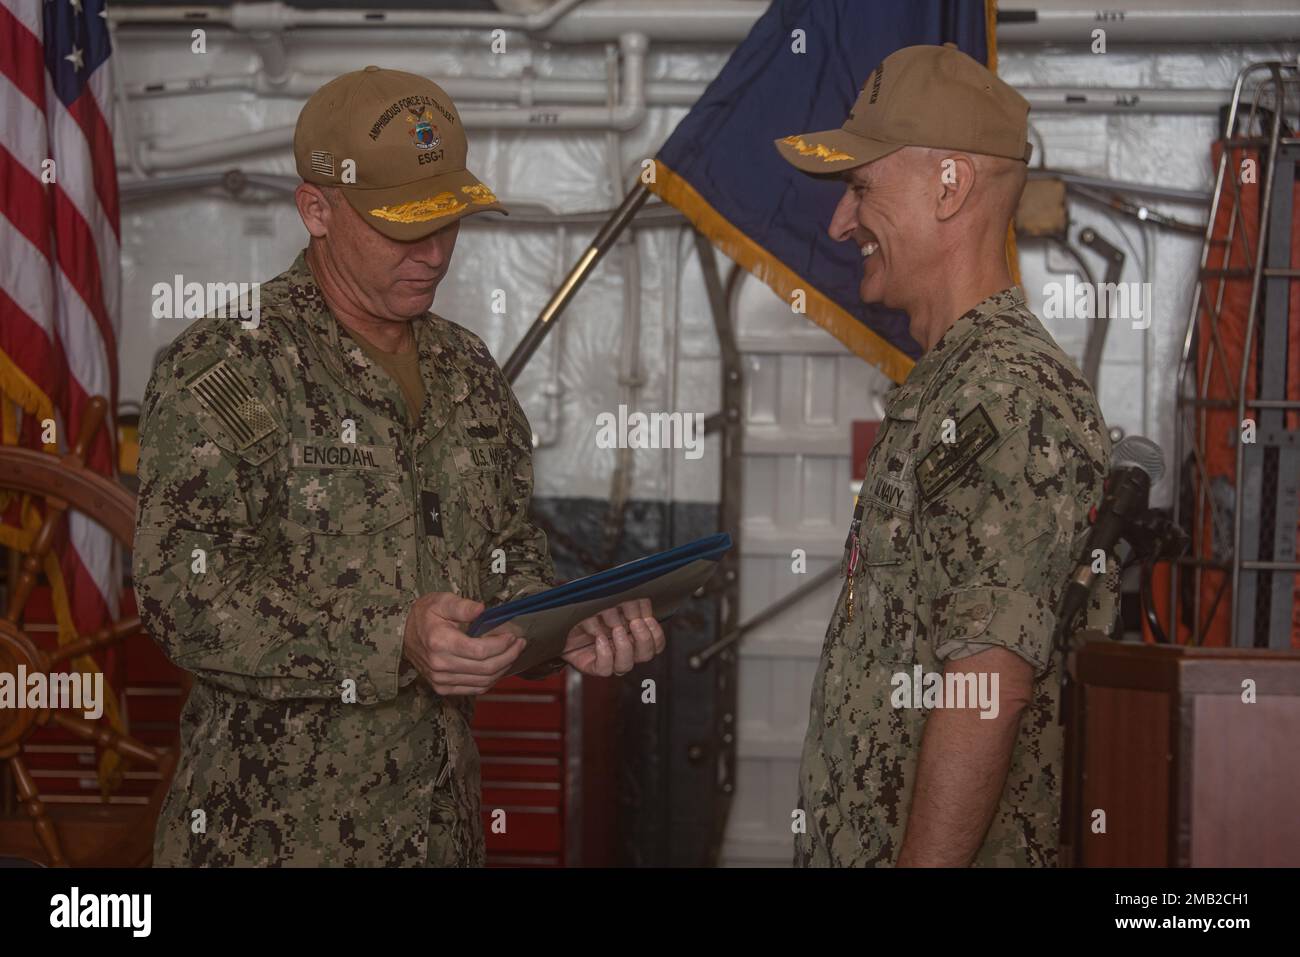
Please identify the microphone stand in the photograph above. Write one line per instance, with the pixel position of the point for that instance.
(1154, 537)
(1148, 611)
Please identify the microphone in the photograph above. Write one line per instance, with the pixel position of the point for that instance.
(1136, 464)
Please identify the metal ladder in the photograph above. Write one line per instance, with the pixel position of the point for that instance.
(1261, 565)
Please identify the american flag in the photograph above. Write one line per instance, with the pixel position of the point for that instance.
(59, 270)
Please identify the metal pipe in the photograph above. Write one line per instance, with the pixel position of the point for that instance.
(280, 16)
(275, 138)
(1215, 348)
(524, 90)
(1148, 279)
(522, 212)
(729, 21)
(626, 115)
(1141, 189)
(1144, 215)
(598, 21)
(1206, 21)
(553, 390)
(671, 323)
(270, 48)
(721, 300)
(1094, 99)
(1102, 315)
(233, 181)
(702, 657)
(1271, 566)
(529, 90)
(606, 238)
(125, 125)
(1239, 491)
(629, 363)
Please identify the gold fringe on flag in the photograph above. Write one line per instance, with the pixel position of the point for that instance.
(748, 254)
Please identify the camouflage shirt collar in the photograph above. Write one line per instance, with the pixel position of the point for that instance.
(445, 384)
(905, 403)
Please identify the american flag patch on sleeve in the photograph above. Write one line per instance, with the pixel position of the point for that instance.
(225, 392)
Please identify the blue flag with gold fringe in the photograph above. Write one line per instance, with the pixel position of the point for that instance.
(801, 68)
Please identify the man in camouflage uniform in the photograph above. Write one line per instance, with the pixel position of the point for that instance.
(975, 504)
(328, 495)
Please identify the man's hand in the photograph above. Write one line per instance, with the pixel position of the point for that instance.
(614, 640)
(451, 661)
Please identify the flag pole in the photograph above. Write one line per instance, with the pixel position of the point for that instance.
(605, 239)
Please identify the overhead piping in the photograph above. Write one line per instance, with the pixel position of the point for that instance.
(627, 114)
(599, 21)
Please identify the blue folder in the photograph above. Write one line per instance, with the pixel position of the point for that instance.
(545, 619)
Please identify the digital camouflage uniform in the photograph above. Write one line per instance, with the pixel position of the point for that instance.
(965, 545)
(316, 542)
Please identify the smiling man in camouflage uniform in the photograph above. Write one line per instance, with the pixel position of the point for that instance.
(328, 495)
(976, 498)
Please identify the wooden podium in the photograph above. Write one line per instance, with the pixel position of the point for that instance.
(1188, 771)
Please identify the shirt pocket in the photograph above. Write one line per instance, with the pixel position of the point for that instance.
(483, 473)
(481, 489)
(349, 526)
(885, 586)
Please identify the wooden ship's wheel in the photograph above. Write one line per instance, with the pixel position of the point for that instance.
(84, 835)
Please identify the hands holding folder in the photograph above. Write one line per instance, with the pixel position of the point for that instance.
(612, 641)
(607, 643)
(601, 625)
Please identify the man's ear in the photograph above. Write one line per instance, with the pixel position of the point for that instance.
(314, 208)
(956, 179)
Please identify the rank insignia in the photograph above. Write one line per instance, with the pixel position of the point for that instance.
(432, 509)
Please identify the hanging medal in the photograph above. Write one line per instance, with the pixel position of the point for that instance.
(852, 545)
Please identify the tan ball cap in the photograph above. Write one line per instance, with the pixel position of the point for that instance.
(405, 138)
(920, 96)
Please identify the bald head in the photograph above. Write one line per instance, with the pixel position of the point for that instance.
(973, 195)
(999, 182)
